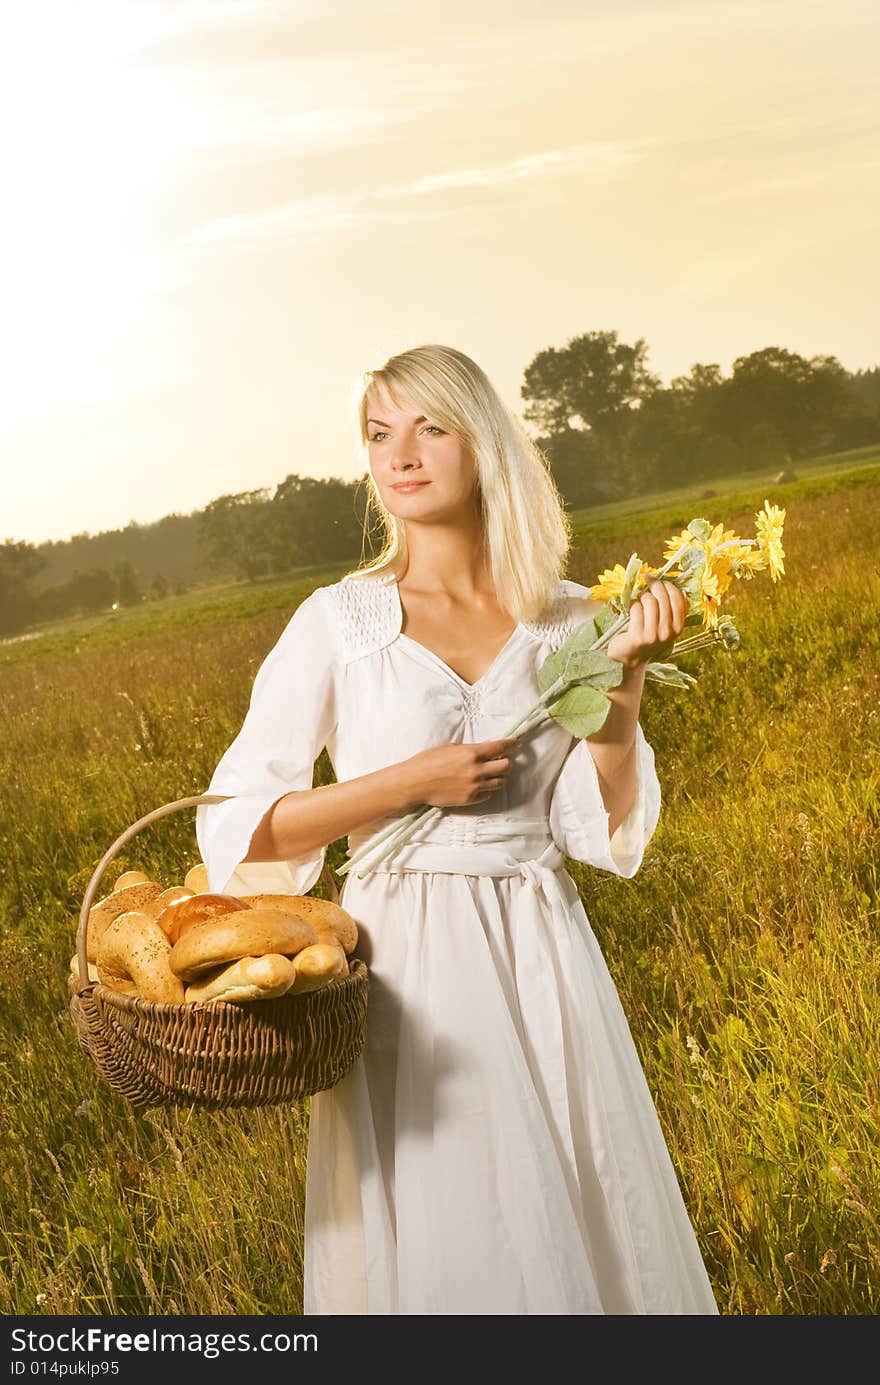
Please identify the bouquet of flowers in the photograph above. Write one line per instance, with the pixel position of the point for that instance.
(702, 560)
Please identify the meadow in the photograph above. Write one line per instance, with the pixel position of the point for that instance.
(746, 950)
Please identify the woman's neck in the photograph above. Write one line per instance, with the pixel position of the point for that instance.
(446, 558)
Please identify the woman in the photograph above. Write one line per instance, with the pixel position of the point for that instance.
(496, 1149)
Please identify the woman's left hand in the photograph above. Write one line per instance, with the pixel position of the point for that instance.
(656, 618)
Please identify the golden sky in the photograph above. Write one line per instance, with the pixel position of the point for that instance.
(217, 214)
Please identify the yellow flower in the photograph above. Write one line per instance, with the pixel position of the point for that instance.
(751, 559)
(710, 592)
(768, 525)
(610, 582)
(675, 543)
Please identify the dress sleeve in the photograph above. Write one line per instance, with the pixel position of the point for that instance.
(291, 714)
(579, 819)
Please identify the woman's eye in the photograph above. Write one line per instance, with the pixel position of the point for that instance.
(378, 436)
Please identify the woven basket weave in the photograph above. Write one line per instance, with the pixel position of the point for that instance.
(218, 1053)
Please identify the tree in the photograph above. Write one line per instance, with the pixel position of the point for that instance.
(575, 466)
(86, 593)
(801, 400)
(19, 564)
(597, 381)
(233, 534)
(128, 591)
(317, 518)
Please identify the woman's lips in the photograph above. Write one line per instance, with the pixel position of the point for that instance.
(406, 486)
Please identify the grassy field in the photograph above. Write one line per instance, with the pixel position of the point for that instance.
(745, 950)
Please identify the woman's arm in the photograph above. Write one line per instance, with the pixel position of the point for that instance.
(613, 746)
(452, 775)
(307, 819)
(656, 617)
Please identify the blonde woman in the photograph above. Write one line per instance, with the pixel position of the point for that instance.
(495, 1149)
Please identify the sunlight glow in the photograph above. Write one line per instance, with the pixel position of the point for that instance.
(75, 277)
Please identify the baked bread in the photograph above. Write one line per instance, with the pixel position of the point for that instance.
(120, 901)
(131, 877)
(245, 933)
(158, 905)
(134, 958)
(321, 913)
(250, 978)
(182, 913)
(196, 878)
(317, 966)
(73, 981)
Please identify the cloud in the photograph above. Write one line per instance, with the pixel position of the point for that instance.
(608, 156)
(311, 215)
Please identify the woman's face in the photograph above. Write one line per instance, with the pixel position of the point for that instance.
(408, 450)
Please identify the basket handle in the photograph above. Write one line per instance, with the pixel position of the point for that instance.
(126, 836)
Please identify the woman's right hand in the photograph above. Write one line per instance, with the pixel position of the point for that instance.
(451, 776)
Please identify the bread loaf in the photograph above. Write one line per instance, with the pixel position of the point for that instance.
(317, 966)
(182, 913)
(320, 913)
(134, 958)
(156, 907)
(73, 982)
(120, 901)
(229, 937)
(131, 877)
(196, 878)
(250, 978)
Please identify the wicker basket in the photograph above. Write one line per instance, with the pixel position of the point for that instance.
(217, 1053)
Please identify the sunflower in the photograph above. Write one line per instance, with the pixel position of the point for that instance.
(675, 543)
(610, 582)
(710, 594)
(768, 524)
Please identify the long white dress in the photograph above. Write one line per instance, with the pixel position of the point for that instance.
(496, 1148)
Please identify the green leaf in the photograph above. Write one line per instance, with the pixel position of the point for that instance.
(555, 664)
(692, 560)
(581, 710)
(576, 662)
(700, 529)
(669, 673)
(633, 568)
(602, 619)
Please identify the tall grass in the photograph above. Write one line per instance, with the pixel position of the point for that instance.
(745, 950)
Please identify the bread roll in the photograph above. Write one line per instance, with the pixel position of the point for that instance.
(158, 905)
(244, 933)
(321, 913)
(250, 978)
(133, 957)
(73, 982)
(122, 901)
(317, 966)
(196, 878)
(131, 877)
(181, 914)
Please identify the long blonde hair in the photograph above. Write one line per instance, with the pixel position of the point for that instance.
(526, 530)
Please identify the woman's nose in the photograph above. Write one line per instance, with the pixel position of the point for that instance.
(405, 455)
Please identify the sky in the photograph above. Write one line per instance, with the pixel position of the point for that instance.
(218, 213)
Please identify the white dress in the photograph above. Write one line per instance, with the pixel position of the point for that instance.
(496, 1148)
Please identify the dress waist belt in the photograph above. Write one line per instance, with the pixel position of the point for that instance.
(518, 848)
(478, 847)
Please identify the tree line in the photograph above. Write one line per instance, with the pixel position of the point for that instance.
(606, 424)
